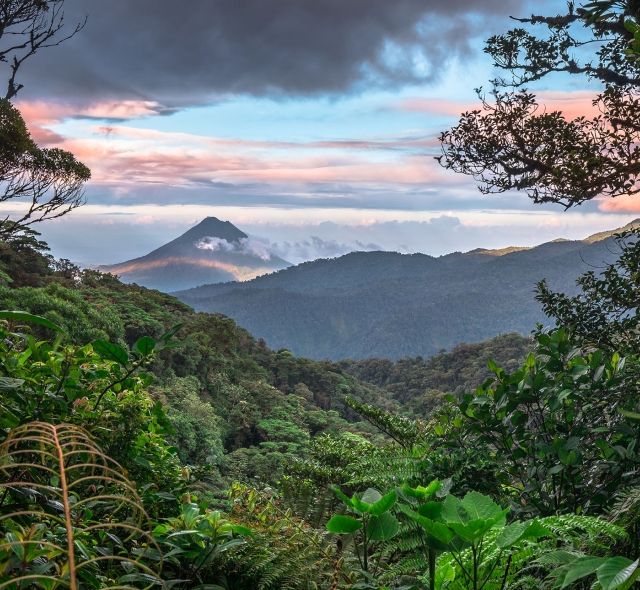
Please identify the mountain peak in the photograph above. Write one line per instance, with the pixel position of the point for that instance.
(212, 227)
(212, 251)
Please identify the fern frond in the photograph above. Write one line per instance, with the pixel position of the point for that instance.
(69, 515)
(626, 507)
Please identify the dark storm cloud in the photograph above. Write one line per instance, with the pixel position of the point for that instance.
(181, 53)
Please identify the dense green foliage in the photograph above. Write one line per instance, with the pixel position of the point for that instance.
(420, 384)
(188, 403)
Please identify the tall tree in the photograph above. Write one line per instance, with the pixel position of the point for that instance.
(511, 143)
(42, 183)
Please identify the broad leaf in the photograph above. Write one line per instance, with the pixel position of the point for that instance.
(144, 346)
(615, 571)
(343, 525)
(23, 316)
(479, 506)
(383, 527)
(383, 504)
(110, 351)
(510, 535)
(438, 535)
(585, 566)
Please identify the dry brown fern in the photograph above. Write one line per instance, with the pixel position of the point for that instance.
(69, 517)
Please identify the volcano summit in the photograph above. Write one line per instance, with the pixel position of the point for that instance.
(213, 251)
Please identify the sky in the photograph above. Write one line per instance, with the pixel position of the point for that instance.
(311, 124)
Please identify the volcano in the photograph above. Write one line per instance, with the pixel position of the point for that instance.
(213, 251)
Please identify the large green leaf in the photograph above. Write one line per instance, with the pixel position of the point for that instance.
(364, 502)
(478, 506)
(438, 535)
(144, 346)
(23, 316)
(473, 530)
(343, 525)
(451, 510)
(510, 535)
(585, 566)
(383, 504)
(110, 351)
(616, 571)
(432, 510)
(383, 527)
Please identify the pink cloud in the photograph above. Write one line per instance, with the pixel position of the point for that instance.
(124, 156)
(40, 115)
(622, 204)
(573, 104)
(433, 106)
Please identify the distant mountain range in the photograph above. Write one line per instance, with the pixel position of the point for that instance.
(213, 251)
(389, 305)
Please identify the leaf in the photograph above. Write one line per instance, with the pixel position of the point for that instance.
(383, 504)
(8, 383)
(341, 495)
(168, 335)
(436, 531)
(241, 530)
(341, 524)
(111, 352)
(451, 510)
(629, 414)
(585, 566)
(535, 530)
(615, 571)
(144, 346)
(371, 496)
(23, 316)
(479, 506)
(383, 527)
(510, 535)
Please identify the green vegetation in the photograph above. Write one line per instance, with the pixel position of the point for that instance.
(420, 384)
(231, 450)
(145, 445)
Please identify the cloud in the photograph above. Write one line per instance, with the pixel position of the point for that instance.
(250, 246)
(572, 103)
(191, 53)
(295, 251)
(315, 247)
(41, 115)
(621, 204)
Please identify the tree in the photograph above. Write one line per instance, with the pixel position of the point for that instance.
(44, 183)
(513, 144)
(48, 182)
(26, 26)
(605, 313)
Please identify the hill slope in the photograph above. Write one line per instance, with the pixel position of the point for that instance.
(391, 305)
(213, 251)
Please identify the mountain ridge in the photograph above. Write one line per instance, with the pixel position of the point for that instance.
(393, 305)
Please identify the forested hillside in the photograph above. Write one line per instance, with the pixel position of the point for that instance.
(389, 305)
(420, 384)
(236, 405)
